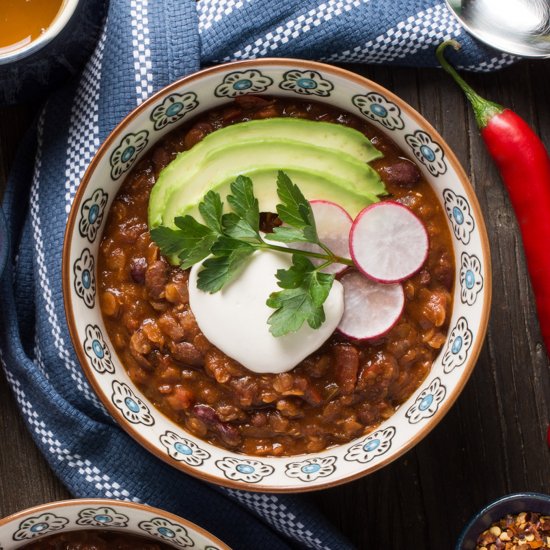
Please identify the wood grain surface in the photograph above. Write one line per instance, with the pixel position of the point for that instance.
(492, 442)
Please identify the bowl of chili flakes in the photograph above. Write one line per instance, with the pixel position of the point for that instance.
(519, 521)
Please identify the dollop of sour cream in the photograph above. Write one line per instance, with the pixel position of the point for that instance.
(235, 318)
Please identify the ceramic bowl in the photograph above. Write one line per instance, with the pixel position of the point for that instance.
(28, 72)
(509, 504)
(180, 102)
(104, 514)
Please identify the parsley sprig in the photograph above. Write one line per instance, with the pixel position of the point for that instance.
(226, 240)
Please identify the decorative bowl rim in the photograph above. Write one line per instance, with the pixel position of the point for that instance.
(107, 502)
(511, 497)
(464, 181)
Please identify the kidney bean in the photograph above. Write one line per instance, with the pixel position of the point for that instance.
(230, 434)
(403, 173)
(206, 414)
(138, 267)
(346, 366)
(156, 278)
(186, 353)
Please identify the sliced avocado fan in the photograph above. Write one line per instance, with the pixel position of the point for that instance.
(327, 161)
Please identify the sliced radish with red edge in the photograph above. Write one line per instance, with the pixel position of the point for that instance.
(371, 308)
(333, 227)
(388, 242)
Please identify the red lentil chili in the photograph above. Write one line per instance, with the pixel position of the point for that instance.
(338, 393)
(95, 539)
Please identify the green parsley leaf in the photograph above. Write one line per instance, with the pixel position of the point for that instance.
(239, 228)
(295, 209)
(286, 234)
(230, 256)
(301, 300)
(319, 287)
(293, 277)
(191, 243)
(245, 204)
(211, 209)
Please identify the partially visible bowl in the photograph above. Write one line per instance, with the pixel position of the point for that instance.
(510, 504)
(103, 514)
(28, 72)
(289, 78)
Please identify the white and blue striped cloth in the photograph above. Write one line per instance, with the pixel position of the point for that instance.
(145, 44)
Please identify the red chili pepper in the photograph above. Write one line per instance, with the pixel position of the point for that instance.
(524, 166)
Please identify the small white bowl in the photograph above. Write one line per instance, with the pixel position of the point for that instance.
(29, 71)
(103, 514)
(289, 78)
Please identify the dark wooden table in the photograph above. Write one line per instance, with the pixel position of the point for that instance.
(493, 441)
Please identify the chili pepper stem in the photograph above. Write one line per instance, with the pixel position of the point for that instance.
(484, 110)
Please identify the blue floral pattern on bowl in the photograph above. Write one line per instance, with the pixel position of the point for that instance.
(173, 108)
(458, 346)
(84, 278)
(183, 449)
(376, 444)
(306, 83)
(168, 531)
(458, 212)
(97, 351)
(376, 107)
(240, 83)
(102, 517)
(238, 469)
(471, 278)
(428, 152)
(91, 214)
(36, 526)
(427, 402)
(98, 515)
(312, 468)
(127, 152)
(130, 405)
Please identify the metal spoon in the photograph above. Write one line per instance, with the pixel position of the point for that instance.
(520, 27)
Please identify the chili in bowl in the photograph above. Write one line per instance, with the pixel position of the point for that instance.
(311, 400)
(97, 524)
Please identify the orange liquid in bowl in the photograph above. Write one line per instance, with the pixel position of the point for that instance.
(22, 21)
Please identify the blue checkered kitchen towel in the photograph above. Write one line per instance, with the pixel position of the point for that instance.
(145, 44)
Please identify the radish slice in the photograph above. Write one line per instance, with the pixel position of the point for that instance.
(333, 227)
(370, 308)
(388, 242)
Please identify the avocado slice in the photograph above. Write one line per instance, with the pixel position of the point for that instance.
(226, 163)
(334, 137)
(313, 185)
